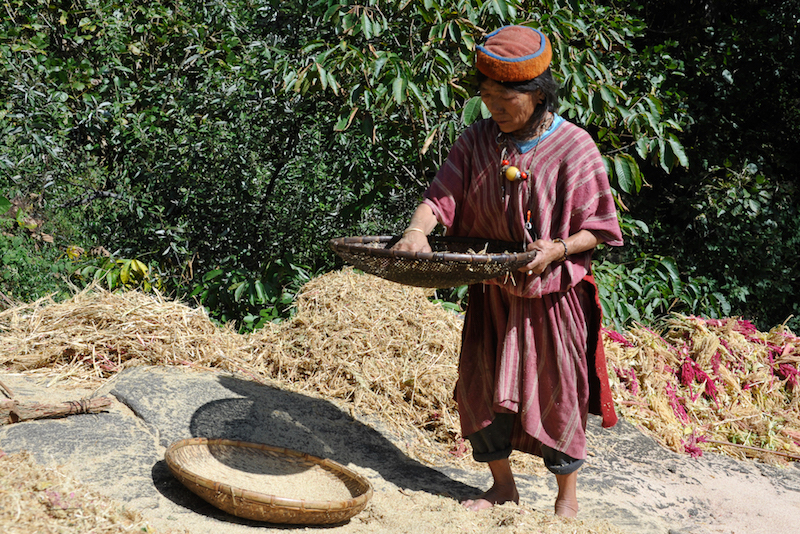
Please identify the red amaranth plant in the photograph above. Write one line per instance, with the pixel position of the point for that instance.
(691, 446)
(675, 404)
(628, 379)
(616, 337)
(789, 373)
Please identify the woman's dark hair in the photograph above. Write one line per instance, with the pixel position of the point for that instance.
(544, 83)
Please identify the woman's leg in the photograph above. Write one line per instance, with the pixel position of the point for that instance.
(567, 499)
(503, 490)
(565, 468)
(492, 445)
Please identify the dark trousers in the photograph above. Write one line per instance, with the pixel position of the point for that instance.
(494, 443)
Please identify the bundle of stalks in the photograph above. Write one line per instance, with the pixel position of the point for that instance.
(706, 384)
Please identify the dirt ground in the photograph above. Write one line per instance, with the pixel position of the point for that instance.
(630, 484)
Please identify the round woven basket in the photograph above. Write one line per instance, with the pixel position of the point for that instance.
(270, 484)
(453, 262)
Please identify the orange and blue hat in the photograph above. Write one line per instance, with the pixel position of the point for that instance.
(514, 54)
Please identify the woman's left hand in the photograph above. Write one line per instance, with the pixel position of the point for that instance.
(547, 253)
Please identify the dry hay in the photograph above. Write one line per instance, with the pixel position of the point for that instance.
(383, 347)
(34, 498)
(706, 384)
(386, 350)
(96, 334)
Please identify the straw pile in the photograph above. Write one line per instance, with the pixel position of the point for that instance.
(96, 334)
(706, 384)
(385, 350)
(383, 347)
(42, 499)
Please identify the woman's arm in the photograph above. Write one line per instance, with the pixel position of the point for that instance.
(550, 251)
(415, 239)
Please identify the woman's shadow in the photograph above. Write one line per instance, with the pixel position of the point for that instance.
(263, 414)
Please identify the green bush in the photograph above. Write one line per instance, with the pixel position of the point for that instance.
(32, 269)
(649, 288)
(234, 295)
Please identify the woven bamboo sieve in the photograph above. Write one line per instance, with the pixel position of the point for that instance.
(270, 484)
(453, 262)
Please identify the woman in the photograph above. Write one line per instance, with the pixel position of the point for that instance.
(531, 365)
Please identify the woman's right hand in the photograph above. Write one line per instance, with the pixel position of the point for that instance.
(413, 241)
(415, 237)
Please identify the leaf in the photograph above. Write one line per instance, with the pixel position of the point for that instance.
(445, 97)
(426, 145)
(239, 288)
(608, 96)
(415, 89)
(472, 110)
(323, 75)
(333, 9)
(670, 268)
(345, 120)
(677, 149)
(624, 176)
(377, 27)
(210, 275)
(261, 293)
(642, 147)
(124, 272)
(366, 24)
(333, 84)
(399, 89)
(501, 8)
(377, 66)
(723, 303)
(597, 103)
(5, 205)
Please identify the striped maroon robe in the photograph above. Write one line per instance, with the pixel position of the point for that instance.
(531, 344)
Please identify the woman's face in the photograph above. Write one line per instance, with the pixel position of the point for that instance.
(510, 109)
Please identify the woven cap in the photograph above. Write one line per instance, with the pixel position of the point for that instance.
(514, 54)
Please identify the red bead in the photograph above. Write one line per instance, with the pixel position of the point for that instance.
(524, 176)
(506, 162)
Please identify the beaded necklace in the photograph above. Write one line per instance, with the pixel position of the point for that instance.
(510, 173)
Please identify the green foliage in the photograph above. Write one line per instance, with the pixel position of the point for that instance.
(651, 287)
(731, 219)
(226, 135)
(27, 277)
(235, 295)
(744, 232)
(453, 298)
(115, 274)
(163, 127)
(420, 88)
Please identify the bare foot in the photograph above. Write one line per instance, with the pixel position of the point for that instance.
(567, 508)
(496, 495)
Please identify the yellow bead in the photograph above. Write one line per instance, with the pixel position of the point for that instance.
(512, 173)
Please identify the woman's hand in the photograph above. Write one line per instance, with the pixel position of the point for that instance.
(550, 251)
(415, 238)
(546, 253)
(413, 241)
